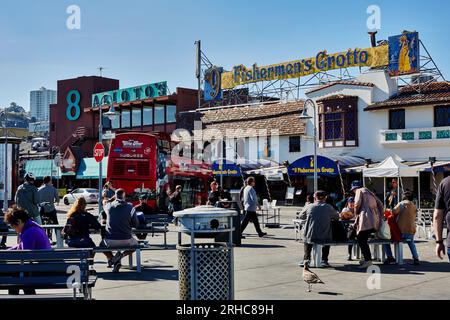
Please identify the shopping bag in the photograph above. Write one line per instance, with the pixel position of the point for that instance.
(385, 231)
(396, 234)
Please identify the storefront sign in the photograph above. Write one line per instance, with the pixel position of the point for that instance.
(213, 87)
(226, 169)
(401, 54)
(305, 167)
(147, 91)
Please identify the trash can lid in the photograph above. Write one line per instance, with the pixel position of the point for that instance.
(205, 212)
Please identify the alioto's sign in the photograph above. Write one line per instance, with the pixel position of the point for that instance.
(147, 91)
(401, 55)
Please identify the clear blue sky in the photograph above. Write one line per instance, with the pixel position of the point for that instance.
(144, 41)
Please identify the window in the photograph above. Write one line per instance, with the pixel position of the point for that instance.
(126, 118)
(397, 119)
(338, 122)
(294, 144)
(115, 124)
(159, 114)
(148, 116)
(136, 114)
(442, 116)
(171, 112)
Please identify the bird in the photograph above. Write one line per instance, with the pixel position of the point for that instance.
(310, 277)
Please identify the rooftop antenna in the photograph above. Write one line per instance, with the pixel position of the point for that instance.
(100, 69)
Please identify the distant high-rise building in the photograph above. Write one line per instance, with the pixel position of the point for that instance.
(40, 101)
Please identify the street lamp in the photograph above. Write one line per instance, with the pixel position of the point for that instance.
(111, 115)
(304, 116)
(5, 188)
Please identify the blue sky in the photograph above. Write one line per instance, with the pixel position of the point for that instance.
(144, 41)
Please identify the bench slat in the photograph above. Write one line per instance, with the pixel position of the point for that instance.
(34, 255)
(39, 283)
(40, 267)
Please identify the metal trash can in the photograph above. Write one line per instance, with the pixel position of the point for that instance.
(206, 270)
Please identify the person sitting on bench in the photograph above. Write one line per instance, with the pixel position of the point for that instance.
(78, 224)
(318, 227)
(120, 220)
(31, 236)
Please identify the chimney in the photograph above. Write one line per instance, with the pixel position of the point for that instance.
(373, 39)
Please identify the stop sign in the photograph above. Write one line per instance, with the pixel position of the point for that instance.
(99, 152)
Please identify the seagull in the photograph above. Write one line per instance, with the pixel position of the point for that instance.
(310, 277)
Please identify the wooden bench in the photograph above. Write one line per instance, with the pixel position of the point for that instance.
(378, 249)
(48, 269)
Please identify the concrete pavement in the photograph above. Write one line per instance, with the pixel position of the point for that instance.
(267, 269)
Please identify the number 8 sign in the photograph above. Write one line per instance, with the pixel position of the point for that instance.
(73, 105)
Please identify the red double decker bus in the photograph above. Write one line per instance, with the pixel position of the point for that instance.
(140, 163)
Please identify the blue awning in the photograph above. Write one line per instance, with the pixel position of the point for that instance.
(305, 167)
(42, 168)
(89, 168)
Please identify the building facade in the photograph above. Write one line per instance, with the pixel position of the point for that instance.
(40, 101)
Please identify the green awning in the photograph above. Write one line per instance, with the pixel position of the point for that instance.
(89, 168)
(42, 168)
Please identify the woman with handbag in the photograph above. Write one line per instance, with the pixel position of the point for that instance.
(368, 212)
(78, 224)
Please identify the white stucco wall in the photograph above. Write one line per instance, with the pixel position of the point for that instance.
(370, 123)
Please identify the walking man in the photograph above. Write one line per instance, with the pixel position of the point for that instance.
(442, 209)
(27, 198)
(250, 205)
(49, 195)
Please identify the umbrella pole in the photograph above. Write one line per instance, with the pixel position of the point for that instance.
(384, 191)
(340, 177)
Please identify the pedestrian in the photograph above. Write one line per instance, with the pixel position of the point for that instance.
(250, 206)
(391, 199)
(214, 195)
(441, 212)
(368, 212)
(27, 198)
(108, 192)
(120, 221)
(309, 201)
(343, 203)
(48, 196)
(318, 227)
(78, 226)
(31, 236)
(176, 200)
(406, 213)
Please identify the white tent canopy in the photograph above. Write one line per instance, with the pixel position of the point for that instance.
(390, 167)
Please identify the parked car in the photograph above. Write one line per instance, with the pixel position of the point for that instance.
(91, 195)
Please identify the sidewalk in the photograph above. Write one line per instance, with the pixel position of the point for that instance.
(267, 269)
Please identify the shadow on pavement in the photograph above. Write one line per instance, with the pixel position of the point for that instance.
(407, 268)
(256, 246)
(147, 274)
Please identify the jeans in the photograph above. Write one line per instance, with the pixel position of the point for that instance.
(308, 248)
(253, 217)
(448, 253)
(363, 237)
(411, 244)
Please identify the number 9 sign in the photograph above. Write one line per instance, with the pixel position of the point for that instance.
(73, 111)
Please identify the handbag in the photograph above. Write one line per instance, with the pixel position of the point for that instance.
(338, 231)
(385, 231)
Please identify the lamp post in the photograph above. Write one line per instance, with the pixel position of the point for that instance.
(5, 189)
(111, 114)
(305, 116)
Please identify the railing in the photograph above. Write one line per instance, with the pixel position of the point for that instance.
(415, 135)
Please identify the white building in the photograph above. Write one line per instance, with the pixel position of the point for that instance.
(372, 118)
(40, 101)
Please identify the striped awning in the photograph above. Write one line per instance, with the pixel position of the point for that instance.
(42, 168)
